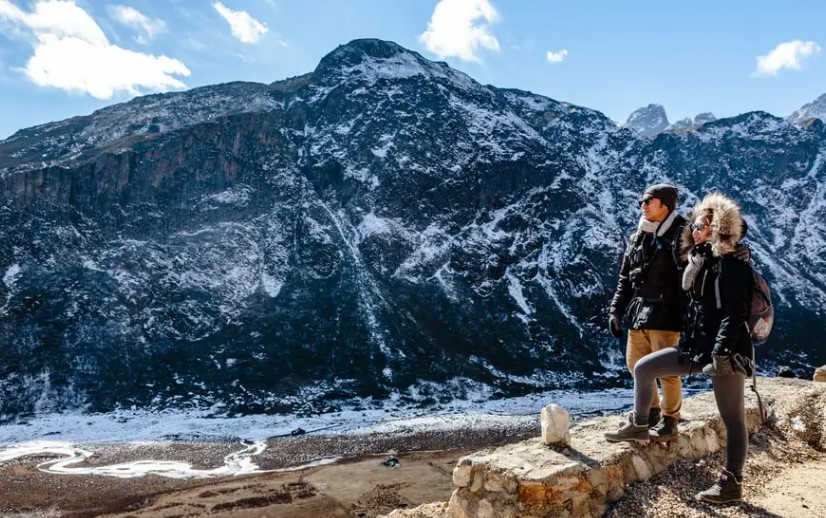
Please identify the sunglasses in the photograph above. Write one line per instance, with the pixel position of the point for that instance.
(697, 226)
(646, 200)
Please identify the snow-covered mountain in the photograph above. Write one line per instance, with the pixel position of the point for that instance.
(383, 227)
(648, 121)
(813, 110)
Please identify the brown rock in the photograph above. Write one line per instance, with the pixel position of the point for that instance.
(478, 481)
(532, 493)
(461, 475)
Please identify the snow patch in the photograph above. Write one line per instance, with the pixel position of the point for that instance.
(11, 275)
(271, 285)
(515, 291)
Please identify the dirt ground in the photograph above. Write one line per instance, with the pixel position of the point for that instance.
(362, 484)
(785, 475)
(782, 478)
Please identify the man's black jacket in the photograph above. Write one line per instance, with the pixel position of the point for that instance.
(648, 290)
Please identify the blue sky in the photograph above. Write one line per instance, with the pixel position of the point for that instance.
(64, 58)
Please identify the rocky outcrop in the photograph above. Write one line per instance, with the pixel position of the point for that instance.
(820, 374)
(529, 479)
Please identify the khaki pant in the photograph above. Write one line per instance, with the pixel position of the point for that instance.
(642, 342)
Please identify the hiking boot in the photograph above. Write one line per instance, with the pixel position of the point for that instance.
(630, 431)
(667, 431)
(653, 418)
(727, 489)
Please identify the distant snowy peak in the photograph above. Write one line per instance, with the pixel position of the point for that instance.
(699, 121)
(682, 124)
(652, 120)
(704, 118)
(648, 121)
(813, 110)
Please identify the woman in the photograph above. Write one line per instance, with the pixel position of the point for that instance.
(716, 340)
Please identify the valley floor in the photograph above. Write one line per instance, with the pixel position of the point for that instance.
(363, 474)
(364, 481)
(785, 477)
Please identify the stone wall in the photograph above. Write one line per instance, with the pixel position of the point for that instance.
(530, 480)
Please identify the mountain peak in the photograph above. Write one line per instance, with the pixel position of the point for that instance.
(356, 51)
(648, 121)
(372, 59)
(813, 110)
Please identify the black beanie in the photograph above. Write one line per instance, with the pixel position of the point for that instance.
(667, 194)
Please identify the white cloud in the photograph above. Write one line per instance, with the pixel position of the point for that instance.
(133, 18)
(10, 12)
(62, 19)
(460, 28)
(101, 70)
(72, 53)
(556, 57)
(244, 27)
(786, 55)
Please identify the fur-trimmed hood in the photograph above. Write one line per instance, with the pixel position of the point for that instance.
(726, 226)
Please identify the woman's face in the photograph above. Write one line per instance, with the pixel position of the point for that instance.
(700, 231)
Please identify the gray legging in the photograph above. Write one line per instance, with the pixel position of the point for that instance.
(728, 392)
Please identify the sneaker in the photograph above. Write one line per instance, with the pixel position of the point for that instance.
(667, 431)
(630, 431)
(727, 489)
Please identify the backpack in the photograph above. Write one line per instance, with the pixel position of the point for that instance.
(761, 317)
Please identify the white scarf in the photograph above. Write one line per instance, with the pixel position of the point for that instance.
(654, 226)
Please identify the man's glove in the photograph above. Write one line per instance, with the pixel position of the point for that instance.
(742, 252)
(719, 366)
(614, 326)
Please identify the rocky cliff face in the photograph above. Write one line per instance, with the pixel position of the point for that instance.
(384, 227)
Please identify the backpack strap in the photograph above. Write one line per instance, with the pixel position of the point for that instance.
(761, 407)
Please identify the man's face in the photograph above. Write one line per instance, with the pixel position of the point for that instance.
(652, 208)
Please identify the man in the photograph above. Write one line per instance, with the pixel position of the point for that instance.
(648, 293)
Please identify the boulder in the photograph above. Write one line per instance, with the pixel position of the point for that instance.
(555, 426)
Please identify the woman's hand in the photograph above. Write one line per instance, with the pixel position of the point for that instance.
(719, 366)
